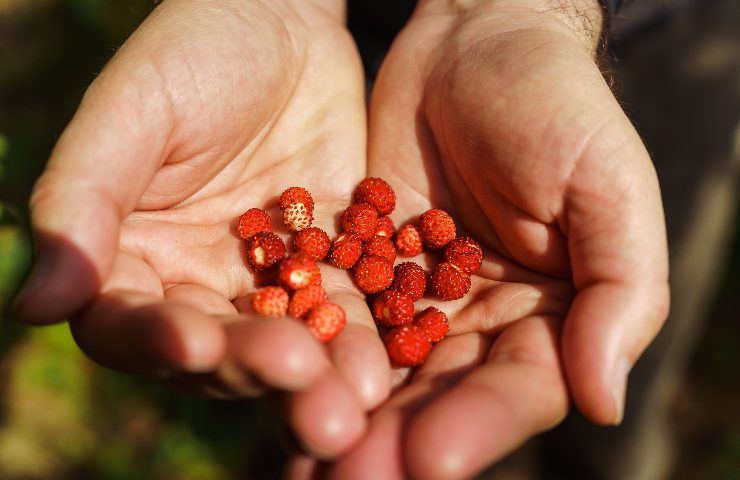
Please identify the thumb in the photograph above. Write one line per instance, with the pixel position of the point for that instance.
(99, 168)
(619, 258)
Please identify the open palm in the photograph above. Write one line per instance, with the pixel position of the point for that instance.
(209, 109)
(500, 115)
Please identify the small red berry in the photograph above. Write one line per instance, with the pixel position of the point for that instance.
(373, 274)
(407, 346)
(296, 195)
(410, 279)
(385, 227)
(326, 321)
(465, 253)
(304, 299)
(437, 228)
(408, 241)
(264, 251)
(253, 221)
(433, 323)
(313, 241)
(297, 217)
(377, 193)
(392, 308)
(449, 282)
(298, 271)
(345, 250)
(270, 302)
(361, 219)
(382, 247)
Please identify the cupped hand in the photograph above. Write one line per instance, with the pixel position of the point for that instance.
(497, 112)
(210, 108)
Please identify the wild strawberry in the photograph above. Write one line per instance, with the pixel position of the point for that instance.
(345, 250)
(408, 241)
(361, 219)
(296, 217)
(296, 195)
(316, 280)
(377, 193)
(313, 241)
(373, 274)
(270, 302)
(264, 251)
(392, 308)
(304, 299)
(433, 323)
(298, 271)
(254, 221)
(465, 253)
(382, 247)
(449, 282)
(385, 227)
(407, 346)
(326, 321)
(437, 228)
(410, 279)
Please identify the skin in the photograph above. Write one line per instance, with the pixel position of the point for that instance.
(493, 110)
(206, 111)
(503, 108)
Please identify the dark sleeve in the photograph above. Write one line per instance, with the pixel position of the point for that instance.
(634, 16)
(611, 5)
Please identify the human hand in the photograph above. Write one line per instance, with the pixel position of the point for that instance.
(210, 108)
(503, 108)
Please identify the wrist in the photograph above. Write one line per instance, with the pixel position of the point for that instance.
(582, 19)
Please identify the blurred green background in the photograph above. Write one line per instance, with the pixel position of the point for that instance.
(63, 417)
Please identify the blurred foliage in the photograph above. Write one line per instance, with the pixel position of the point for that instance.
(65, 418)
(14, 256)
(61, 417)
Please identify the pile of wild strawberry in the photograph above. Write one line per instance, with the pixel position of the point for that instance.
(366, 247)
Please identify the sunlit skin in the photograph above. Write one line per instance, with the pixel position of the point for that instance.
(492, 110)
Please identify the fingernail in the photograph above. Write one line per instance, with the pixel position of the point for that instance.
(40, 273)
(619, 389)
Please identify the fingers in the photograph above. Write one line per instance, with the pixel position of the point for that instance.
(327, 418)
(518, 393)
(457, 416)
(492, 306)
(302, 467)
(327, 407)
(134, 332)
(358, 352)
(195, 334)
(201, 298)
(280, 352)
(269, 352)
(130, 327)
(380, 455)
(138, 333)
